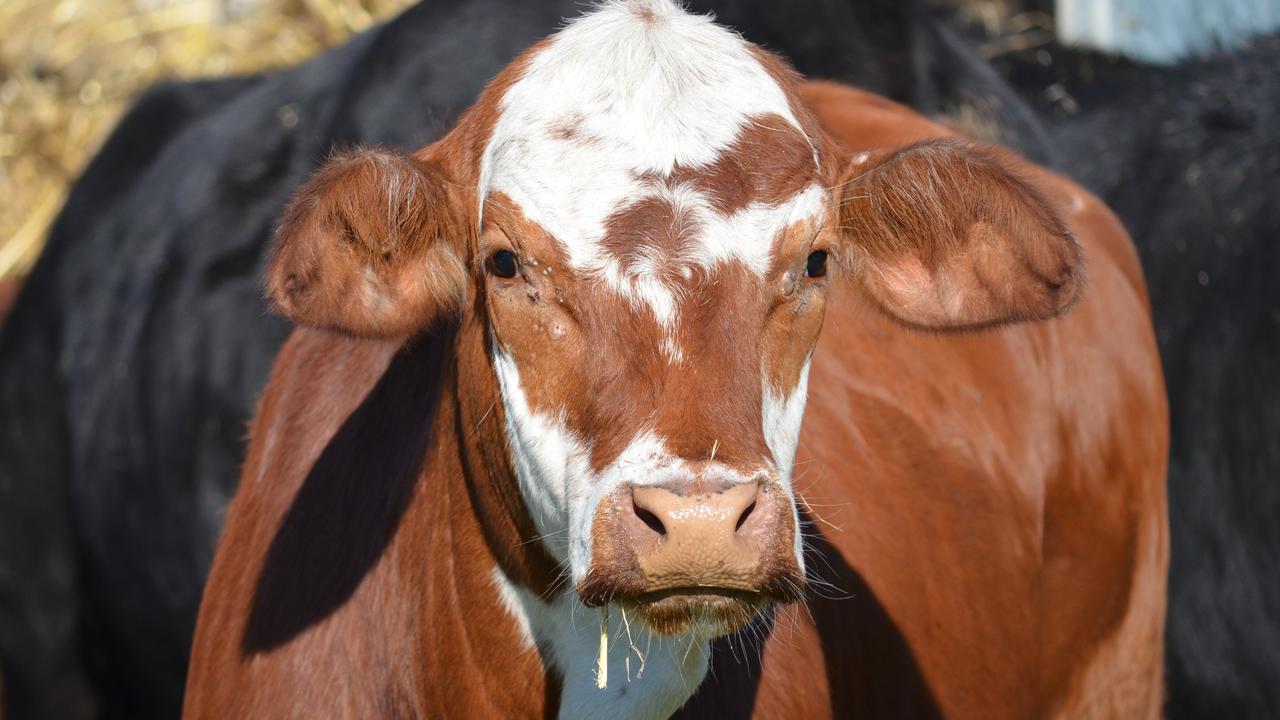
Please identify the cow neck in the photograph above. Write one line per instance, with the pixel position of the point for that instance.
(469, 653)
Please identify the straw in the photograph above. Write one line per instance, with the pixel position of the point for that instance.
(69, 68)
(602, 660)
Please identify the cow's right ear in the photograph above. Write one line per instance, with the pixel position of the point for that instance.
(373, 244)
(946, 237)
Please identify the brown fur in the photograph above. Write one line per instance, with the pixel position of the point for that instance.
(649, 231)
(792, 82)
(768, 162)
(369, 245)
(934, 253)
(363, 575)
(985, 511)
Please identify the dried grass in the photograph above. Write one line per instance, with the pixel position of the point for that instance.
(68, 69)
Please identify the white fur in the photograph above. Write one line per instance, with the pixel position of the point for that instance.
(783, 416)
(514, 604)
(783, 413)
(568, 635)
(642, 96)
(551, 462)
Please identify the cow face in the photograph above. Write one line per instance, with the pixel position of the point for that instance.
(653, 385)
(643, 221)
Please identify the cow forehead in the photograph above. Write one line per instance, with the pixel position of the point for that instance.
(618, 114)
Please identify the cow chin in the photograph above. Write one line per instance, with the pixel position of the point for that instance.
(694, 610)
(708, 612)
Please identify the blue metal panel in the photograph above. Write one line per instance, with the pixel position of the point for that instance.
(1164, 30)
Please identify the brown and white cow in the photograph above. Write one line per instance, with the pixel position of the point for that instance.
(550, 377)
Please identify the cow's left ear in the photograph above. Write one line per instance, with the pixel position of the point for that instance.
(943, 236)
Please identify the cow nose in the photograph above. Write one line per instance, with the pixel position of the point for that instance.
(694, 537)
(689, 536)
(690, 518)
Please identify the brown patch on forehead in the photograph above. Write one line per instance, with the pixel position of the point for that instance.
(770, 161)
(790, 81)
(651, 231)
(830, 157)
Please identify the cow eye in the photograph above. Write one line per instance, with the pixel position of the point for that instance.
(816, 267)
(504, 264)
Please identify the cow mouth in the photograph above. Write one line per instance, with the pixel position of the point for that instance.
(707, 610)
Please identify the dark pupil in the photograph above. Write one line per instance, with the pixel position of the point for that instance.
(817, 265)
(504, 265)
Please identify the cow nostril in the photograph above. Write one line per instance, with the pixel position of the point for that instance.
(742, 519)
(651, 520)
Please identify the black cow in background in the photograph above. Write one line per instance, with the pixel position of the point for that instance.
(133, 357)
(1189, 158)
(76, 316)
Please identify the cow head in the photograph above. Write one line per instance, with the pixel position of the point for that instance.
(639, 223)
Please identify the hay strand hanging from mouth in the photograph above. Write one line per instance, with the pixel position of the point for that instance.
(631, 645)
(602, 662)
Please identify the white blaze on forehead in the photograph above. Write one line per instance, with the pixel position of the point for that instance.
(635, 87)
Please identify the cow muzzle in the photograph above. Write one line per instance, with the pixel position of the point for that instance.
(693, 553)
